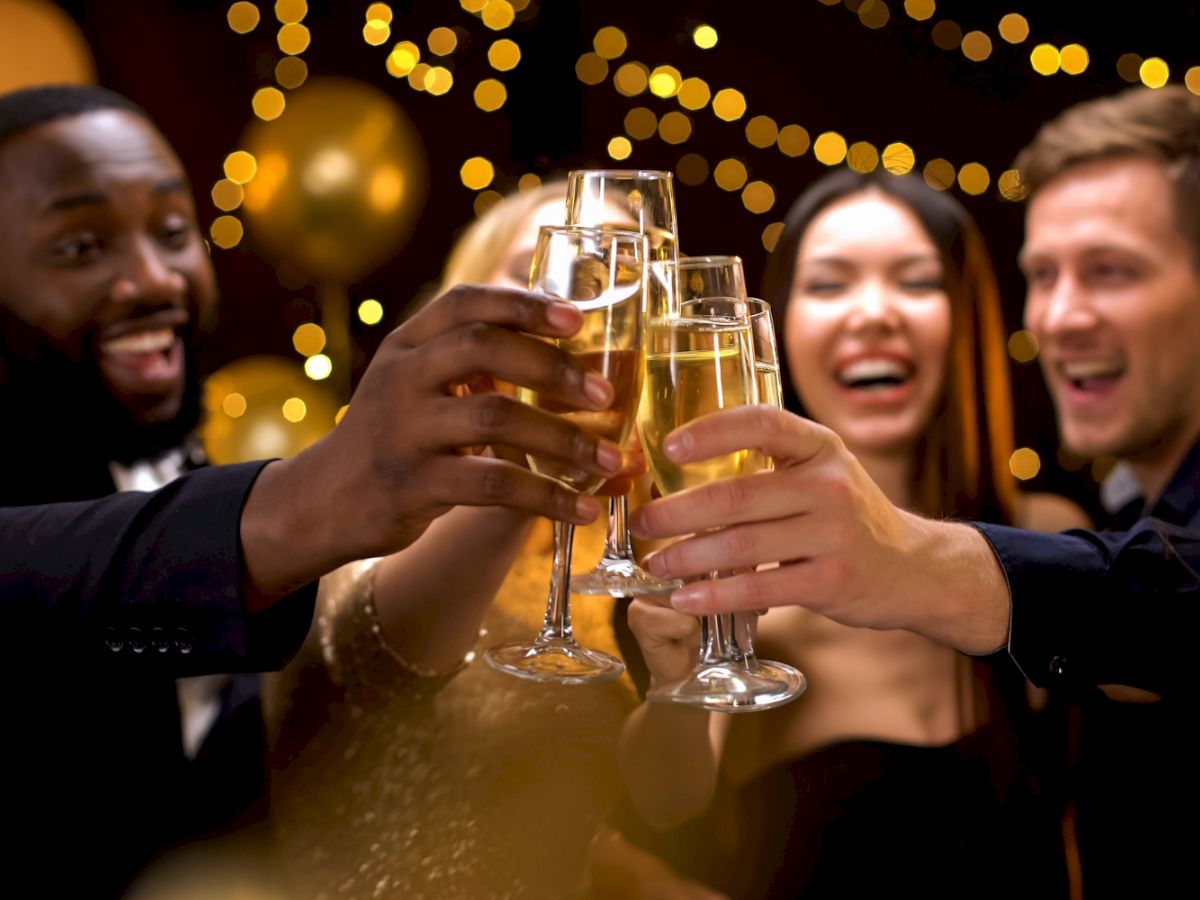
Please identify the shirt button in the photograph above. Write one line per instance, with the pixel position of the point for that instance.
(137, 643)
(113, 641)
(1058, 665)
(158, 639)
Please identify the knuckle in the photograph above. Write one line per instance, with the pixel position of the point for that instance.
(729, 496)
(498, 482)
(473, 339)
(739, 542)
(491, 413)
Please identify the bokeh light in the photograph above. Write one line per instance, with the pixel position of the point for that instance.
(609, 42)
(268, 103)
(293, 38)
(308, 339)
(873, 14)
(631, 79)
(947, 34)
(227, 195)
(438, 80)
(1024, 463)
(730, 174)
(729, 104)
(240, 166)
(762, 131)
(793, 140)
(1023, 346)
(477, 173)
(1192, 79)
(405, 57)
(758, 197)
(675, 127)
(692, 169)
(591, 68)
(665, 81)
(530, 181)
(619, 148)
(1011, 186)
(291, 72)
(370, 312)
(939, 174)
(829, 148)
(442, 41)
(485, 201)
(862, 157)
(287, 11)
(490, 94)
(1128, 67)
(976, 46)
(226, 232)
(898, 158)
(294, 409)
(318, 367)
(242, 17)
(920, 9)
(379, 11)
(233, 405)
(1074, 59)
(1154, 72)
(504, 55)
(640, 123)
(693, 93)
(1014, 28)
(1045, 59)
(498, 14)
(704, 37)
(376, 32)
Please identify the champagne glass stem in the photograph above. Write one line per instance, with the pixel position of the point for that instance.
(557, 625)
(617, 545)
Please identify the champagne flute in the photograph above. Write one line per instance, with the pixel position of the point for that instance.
(603, 273)
(638, 201)
(696, 364)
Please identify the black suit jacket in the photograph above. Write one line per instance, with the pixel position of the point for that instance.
(103, 604)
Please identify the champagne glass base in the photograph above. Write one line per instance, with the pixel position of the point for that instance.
(561, 661)
(735, 687)
(620, 578)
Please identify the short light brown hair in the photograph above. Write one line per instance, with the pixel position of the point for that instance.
(1163, 124)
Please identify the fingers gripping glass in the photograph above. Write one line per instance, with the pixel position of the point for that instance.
(638, 201)
(601, 272)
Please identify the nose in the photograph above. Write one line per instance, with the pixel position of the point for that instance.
(1059, 309)
(145, 276)
(873, 307)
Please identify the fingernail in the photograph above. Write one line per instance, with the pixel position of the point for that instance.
(608, 455)
(677, 446)
(586, 508)
(597, 389)
(563, 316)
(637, 524)
(686, 598)
(654, 562)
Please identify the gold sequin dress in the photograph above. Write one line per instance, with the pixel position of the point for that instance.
(476, 784)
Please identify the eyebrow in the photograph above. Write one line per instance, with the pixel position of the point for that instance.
(98, 198)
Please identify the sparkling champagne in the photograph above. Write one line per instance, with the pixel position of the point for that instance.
(693, 367)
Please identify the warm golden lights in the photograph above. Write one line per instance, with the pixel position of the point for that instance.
(1011, 186)
(939, 174)
(226, 232)
(1014, 28)
(370, 312)
(403, 59)
(619, 148)
(504, 55)
(1045, 59)
(973, 178)
(240, 166)
(291, 72)
(498, 14)
(1154, 72)
(1192, 79)
(308, 339)
(829, 148)
(793, 140)
(640, 123)
(730, 174)
(770, 236)
(376, 32)
(485, 201)
(318, 367)
(758, 197)
(729, 104)
(675, 127)
(1023, 346)
(704, 37)
(693, 93)
(664, 81)
(631, 79)
(873, 13)
(898, 158)
(947, 34)
(268, 103)
(227, 195)
(477, 173)
(234, 405)
(294, 409)
(1128, 65)
(530, 181)
(293, 38)
(380, 11)
(609, 42)
(490, 94)
(438, 80)
(1074, 59)
(242, 17)
(692, 169)
(920, 9)
(862, 157)
(1024, 463)
(591, 68)
(442, 41)
(288, 11)
(976, 46)
(761, 131)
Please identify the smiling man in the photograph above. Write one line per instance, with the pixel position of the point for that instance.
(1112, 255)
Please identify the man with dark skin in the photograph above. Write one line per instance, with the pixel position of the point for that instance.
(104, 283)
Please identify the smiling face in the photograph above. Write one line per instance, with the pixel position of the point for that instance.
(101, 256)
(868, 323)
(1114, 301)
(513, 268)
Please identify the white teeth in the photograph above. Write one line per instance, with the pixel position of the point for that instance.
(872, 370)
(1092, 368)
(154, 341)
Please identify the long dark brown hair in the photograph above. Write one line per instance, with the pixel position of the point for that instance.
(962, 460)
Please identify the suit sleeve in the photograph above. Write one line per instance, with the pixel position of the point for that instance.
(144, 581)
(1091, 608)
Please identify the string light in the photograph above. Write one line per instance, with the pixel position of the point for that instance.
(242, 17)
(829, 148)
(504, 55)
(730, 174)
(477, 173)
(675, 127)
(490, 94)
(619, 148)
(442, 41)
(610, 42)
(309, 339)
(1024, 463)
(705, 37)
(370, 312)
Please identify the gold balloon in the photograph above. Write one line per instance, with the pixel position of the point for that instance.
(339, 180)
(262, 407)
(40, 44)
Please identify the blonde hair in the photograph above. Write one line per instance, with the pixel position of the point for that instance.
(481, 248)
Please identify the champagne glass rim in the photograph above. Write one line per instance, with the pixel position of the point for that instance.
(695, 262)
(593, 231)
(621, 173)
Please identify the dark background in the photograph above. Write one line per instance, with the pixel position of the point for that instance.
(798, 61)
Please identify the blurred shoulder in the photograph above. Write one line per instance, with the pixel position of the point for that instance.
(1050, 512)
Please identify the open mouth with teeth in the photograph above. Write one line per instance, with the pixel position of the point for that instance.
(1091, 376)
(146, 361)
(875, 374)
